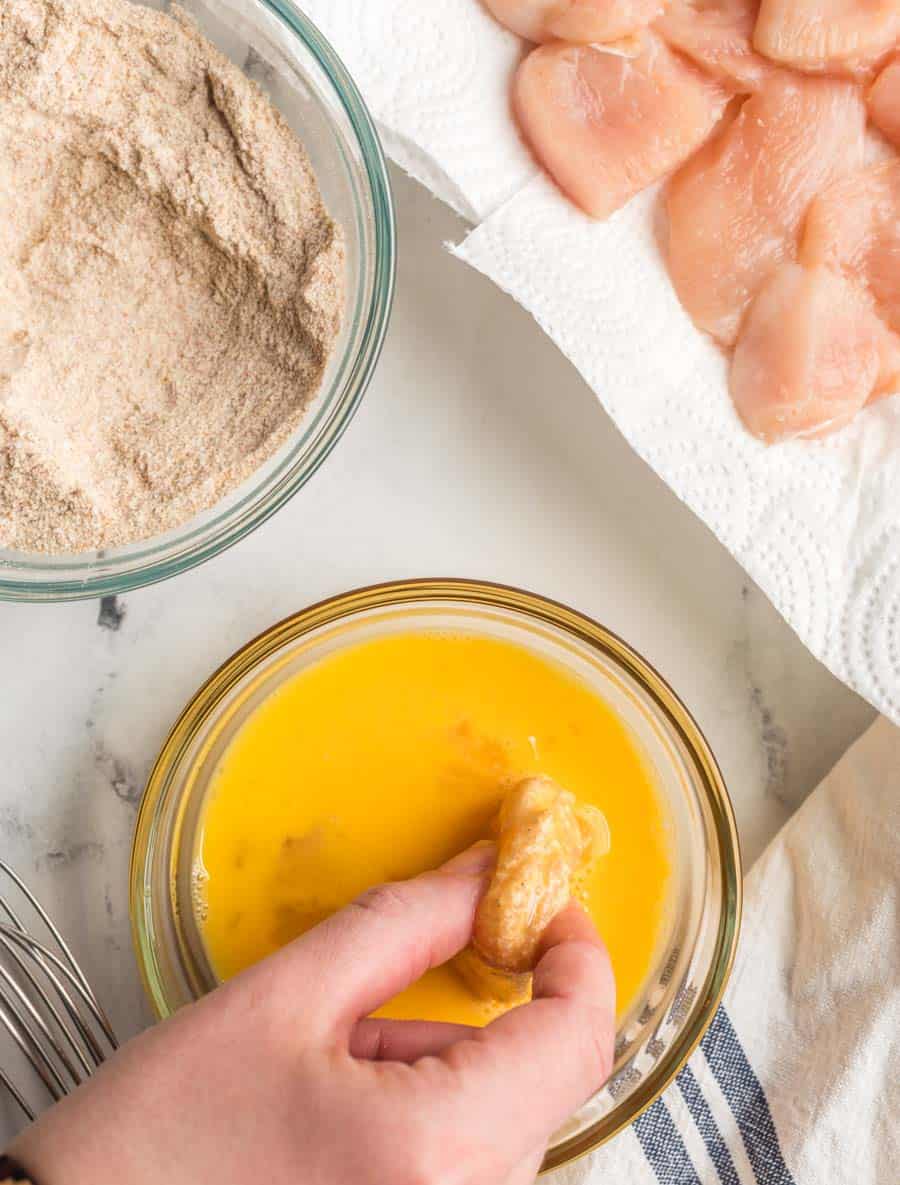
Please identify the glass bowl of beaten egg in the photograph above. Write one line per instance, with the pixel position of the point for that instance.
(280, 49)
(370, 737)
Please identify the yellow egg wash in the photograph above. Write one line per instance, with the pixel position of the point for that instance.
(388, 757)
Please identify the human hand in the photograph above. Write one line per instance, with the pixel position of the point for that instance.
(279, 1076)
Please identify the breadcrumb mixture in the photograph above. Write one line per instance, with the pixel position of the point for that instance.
(172, 284)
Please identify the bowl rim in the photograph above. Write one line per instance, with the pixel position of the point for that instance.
(147, 560)
(546, 610)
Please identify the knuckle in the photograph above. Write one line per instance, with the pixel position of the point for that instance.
(386, 900)
(462, 1058)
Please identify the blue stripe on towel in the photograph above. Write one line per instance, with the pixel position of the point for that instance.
(664, 1147)
(741, 1088)
(706, 1125)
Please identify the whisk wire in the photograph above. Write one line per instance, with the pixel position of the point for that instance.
(45, 918)
(20, 1101)
(47, 1005)
(26, 973)
(45, 1071)
(33, 1023)
(53, 967)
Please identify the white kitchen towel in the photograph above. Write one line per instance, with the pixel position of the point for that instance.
(817, 525)
(796, 1081)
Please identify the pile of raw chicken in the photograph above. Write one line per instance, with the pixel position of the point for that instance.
(777, 122)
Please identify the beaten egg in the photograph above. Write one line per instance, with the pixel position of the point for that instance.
(387, 757)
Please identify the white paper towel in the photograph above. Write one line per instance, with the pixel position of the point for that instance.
(817, 525)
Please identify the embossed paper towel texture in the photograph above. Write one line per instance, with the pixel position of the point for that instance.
(817, 525)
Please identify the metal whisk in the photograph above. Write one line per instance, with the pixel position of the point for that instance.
(46, 1004)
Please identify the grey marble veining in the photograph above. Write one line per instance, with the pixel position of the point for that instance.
(478, 452)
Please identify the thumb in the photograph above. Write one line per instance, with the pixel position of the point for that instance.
(385, 940)
(553, 1052)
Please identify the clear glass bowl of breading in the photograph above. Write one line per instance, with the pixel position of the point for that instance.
(277, 46)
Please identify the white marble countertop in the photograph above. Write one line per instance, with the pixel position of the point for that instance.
(478, 451)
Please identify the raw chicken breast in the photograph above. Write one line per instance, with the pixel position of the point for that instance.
(854, 227)
(717, 35)
(736, 210)
(605, 126)
(884, 101)
(811, 354)
(574, 20)
(846, 36)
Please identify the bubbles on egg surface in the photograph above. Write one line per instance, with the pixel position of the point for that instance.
(199, 881)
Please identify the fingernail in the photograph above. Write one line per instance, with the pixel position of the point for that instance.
(474, 861)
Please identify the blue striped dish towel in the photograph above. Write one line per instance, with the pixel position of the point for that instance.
(797, 1080)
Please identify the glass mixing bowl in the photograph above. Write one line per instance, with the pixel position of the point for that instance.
(280, 49)
(693, 960)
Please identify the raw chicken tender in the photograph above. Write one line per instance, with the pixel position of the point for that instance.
(605, 126)
(545, 839)
(736, 210)
(574, 20)
(884, 101)
(854, 227)
(847, 36)
(811, 354)
(718, 36)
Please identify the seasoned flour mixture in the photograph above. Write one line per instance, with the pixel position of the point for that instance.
(170, 281)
